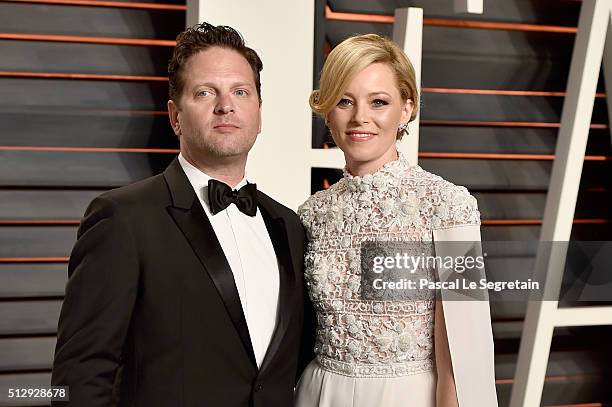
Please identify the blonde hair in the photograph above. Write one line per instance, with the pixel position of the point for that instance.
(353, 55)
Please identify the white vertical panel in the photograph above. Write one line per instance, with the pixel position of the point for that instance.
(607, 71)
(282, 33)
(408, 34)
(468, 6)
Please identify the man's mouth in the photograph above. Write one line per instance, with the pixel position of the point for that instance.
(228, 128)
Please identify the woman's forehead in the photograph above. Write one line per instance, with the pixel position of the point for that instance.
(376, 77)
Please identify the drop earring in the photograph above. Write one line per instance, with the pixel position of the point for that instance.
(402, 130)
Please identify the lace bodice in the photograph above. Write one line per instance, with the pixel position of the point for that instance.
(399, 202)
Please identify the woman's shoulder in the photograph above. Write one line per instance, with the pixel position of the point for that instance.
(317, 202)
(452, 204)
(320, 206)
(436, 183)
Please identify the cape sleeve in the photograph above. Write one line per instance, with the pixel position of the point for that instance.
(467, 314)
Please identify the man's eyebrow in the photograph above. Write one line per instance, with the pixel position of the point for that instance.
(233, 85)
(243, 84)
(205, 84)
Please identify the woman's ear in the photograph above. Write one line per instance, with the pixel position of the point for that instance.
(407, 111)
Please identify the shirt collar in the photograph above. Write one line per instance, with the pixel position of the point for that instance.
(199, 179)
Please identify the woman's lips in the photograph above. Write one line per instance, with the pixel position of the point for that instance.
(360, 137)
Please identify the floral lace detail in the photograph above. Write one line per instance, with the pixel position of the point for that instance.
(399, 202)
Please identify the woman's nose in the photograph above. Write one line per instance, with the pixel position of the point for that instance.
(360, 114)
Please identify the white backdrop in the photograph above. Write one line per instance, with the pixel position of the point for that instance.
(282, 33)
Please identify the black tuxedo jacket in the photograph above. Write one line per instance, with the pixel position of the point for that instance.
(152, 316)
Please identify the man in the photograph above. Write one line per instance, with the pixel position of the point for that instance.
(186, 289)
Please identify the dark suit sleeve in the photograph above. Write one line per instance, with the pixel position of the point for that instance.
(100, 296)
(308, 328)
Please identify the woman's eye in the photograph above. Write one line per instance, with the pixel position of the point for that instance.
(344, 102)
(241, 92)
(379, 102)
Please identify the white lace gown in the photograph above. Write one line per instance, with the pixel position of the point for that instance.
(373, 353)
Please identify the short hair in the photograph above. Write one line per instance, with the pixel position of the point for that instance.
(353, 55)
(199, 38)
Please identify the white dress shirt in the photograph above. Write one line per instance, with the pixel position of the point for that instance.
(249, 251)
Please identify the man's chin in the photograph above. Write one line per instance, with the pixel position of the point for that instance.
(229, 153)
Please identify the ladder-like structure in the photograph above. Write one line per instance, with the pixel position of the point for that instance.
(593, 44)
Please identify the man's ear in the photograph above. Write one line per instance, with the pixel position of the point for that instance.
(259, 127)
(173, 113)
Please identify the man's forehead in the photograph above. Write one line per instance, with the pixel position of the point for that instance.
(227, 64)
(217, 58)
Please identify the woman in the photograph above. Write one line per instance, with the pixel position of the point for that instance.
(372, 352)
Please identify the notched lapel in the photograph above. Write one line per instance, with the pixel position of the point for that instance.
(191, 219)
(280, 240)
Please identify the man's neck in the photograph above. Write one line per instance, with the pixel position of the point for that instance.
(229, 170)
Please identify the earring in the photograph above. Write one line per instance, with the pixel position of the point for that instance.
(402, 130)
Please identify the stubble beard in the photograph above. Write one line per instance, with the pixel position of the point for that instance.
(221, 146)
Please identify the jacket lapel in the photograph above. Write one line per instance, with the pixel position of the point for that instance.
(278, 235)
(191, 219)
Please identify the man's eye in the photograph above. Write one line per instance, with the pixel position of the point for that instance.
(203, 93)
(379, 102)
(345, 102)
(241, 92)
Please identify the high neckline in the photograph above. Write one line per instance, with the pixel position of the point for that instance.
(385, 175)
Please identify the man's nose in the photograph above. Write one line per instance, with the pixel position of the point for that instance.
(224, 105)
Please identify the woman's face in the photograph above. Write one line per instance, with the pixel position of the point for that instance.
(364, 123)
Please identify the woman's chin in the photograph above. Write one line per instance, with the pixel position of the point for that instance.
(360, 157)
(372, 155)
(362, 151)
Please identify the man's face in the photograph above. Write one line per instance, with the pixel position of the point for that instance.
(218, 116)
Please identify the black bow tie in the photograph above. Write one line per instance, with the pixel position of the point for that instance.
(221, 195)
